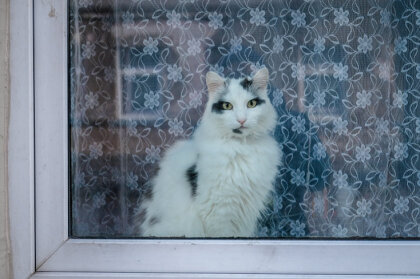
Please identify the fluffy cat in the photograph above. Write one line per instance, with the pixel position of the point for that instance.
(217, 183)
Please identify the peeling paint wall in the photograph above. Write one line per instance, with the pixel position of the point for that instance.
(5, 257)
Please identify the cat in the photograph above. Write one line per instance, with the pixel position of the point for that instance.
(217, 183)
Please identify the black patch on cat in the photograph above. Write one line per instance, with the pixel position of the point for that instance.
(154, 220)
(246, 83)
(192, 176)
(217, 107)
(259, 101)
(237, 131)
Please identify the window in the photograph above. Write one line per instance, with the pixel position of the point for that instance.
(347, 113)
(56, 252)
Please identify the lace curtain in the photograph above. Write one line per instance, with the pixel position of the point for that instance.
(344, 77)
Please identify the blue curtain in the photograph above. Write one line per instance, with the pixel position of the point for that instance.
(344, 77)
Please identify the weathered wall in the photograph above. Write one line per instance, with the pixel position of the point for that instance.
(5, 258)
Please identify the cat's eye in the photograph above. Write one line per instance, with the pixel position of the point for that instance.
(227, 106)
(252, 103)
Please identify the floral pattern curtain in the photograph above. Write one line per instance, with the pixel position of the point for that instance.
(344, 77)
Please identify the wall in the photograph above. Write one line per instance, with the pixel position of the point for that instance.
(5, 259)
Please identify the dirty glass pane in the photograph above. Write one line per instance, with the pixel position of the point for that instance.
(344, 80)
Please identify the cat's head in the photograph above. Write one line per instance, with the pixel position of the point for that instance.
(239, 107)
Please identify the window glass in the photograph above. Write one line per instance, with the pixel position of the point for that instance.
(344, 79)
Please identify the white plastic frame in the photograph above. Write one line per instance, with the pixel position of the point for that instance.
(38, 184)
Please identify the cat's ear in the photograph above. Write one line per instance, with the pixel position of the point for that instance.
(260, 79)
(214, 82)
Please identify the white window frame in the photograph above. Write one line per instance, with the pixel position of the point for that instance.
(39, 200)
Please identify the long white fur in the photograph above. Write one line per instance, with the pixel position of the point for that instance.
(235, 171)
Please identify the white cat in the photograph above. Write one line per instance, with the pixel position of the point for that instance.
(216, 184)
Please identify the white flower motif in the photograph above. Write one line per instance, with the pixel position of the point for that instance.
(153, 154)
(362, 153)
(340, 71)
(88, 50)
(193, 47)
(107, 23)
(175, 127)
(132, 128)
(319, 44)
(400, 99)
(91, 100)
(298, 177)
(257, 16)
(401, 151)
(128, 19)
(116, 176)
(298, 18)
(298, 229)
(85, 3)
(384, 72)
(298, 124)
(319, 151)
(363, 207)
(150, 46)
(363, 99)
(401, 205)
(79, 71)
(109, 74)
(385, 18)
(236, 44)
(382, 180)
(277, 97)
(382, 127)
(129, 73)
(319, 98)
(298, 71)
(195, 99)
(400, 45)
(151, 100)
(340, 126)
(278, 44)
(277, 203)
(131, 181)
(95, 150)
(365, 44)
(340, 179)
(174, 73)
(215, 20)
(173, 19)
(341, 17)
(339, 231)
(98, 200)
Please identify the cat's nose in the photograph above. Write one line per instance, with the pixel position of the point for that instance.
(241, 121)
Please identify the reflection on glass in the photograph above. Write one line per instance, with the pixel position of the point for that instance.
(344, 80)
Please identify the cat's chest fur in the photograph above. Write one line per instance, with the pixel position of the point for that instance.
(234, 181)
